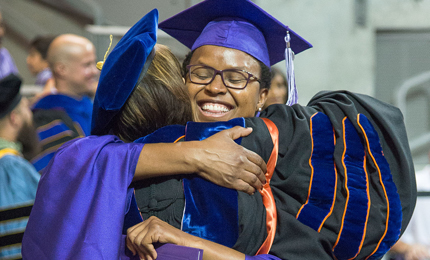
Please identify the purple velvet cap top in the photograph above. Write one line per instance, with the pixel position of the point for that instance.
(124, 68)
(235, 34)
(236, 24)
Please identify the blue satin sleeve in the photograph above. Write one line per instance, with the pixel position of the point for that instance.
(207, 201)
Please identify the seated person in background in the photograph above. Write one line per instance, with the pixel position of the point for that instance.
(278, 91)
(415, 242)
(7, 64)
(343, 183)
(18, 178)
(66, 114)
(37, 61)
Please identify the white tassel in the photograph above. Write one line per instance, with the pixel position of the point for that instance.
(289, 58)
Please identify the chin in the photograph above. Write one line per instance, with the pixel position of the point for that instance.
(205, 119)
(217, 119)
(202, 118)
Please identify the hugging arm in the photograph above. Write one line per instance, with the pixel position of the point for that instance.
(218, 159)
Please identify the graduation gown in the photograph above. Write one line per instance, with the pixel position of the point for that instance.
(59, 118)
(18, 184)
(344, 172)
(344, 182)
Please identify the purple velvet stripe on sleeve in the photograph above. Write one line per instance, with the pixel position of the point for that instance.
(394, 222)
(262, 257)
(81, 201)
(358, 203)
(323, 181)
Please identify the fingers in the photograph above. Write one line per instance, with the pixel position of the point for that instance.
(230, 165)
(141, 237)
(252, 180)
(249, 182)
(258, 167)
(238, 131)
(140, 240)
(130, 246)
(245, 187)
(261, 169)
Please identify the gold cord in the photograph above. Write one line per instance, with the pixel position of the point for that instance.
(100, 63)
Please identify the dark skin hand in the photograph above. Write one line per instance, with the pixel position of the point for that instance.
(217, 159)
(141, 237)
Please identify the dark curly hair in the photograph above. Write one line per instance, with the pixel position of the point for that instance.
(265, 79)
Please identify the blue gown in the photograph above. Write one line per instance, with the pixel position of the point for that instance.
(58, 119)
(18, 184)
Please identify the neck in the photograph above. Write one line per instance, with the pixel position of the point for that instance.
(7, 131)
(4, 143)
(9, 136)
(64, 89)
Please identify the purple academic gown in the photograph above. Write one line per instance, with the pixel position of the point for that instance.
(81, 203)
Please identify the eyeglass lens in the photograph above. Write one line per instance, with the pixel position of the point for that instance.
(231, 78)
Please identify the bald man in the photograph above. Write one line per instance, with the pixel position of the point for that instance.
(65, 113)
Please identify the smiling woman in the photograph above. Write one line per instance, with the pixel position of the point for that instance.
(215, 101)
(339, 180)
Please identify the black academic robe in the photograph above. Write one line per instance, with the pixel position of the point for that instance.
(344, 183)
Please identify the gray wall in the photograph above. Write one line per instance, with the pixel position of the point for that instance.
(366, 46)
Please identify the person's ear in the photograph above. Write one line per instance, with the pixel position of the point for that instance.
(14, 118)
(60, 68)
(183, 79)
(262, 98)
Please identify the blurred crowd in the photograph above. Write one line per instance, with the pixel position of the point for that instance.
(32, 128)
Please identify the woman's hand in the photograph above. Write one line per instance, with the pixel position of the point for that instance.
(220, 160)
(141, 237)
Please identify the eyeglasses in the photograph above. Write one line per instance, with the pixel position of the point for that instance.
(232, 78)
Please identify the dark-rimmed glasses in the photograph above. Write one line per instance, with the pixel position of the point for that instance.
(232, 78)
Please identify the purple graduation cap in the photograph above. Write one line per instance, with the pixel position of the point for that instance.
(122, 71)
(236, 24)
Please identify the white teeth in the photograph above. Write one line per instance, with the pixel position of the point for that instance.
(215, 108)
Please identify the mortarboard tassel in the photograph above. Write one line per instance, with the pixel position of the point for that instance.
(289, 57)
(99, 64)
